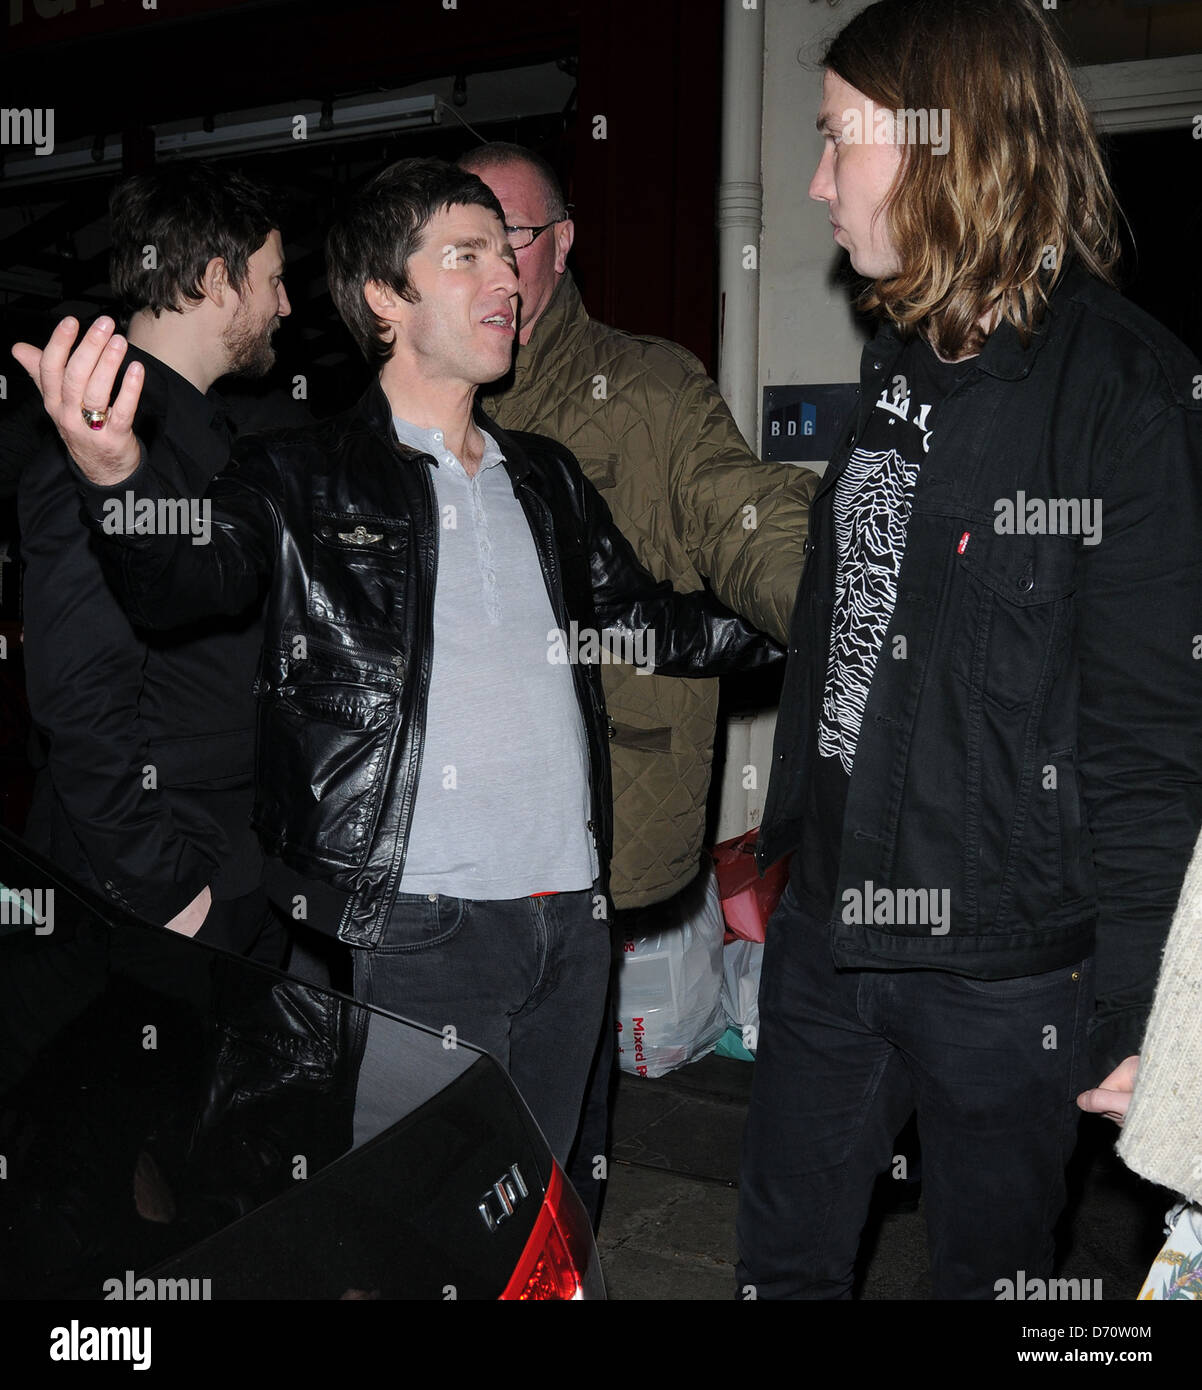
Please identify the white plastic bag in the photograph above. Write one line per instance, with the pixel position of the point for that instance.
(741, 962)
(670, 983)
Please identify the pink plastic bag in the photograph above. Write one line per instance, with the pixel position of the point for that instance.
(747, 899)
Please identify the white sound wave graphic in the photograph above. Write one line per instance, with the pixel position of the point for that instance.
(872, 511)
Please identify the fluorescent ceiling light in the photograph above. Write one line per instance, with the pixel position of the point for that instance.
(352, 120)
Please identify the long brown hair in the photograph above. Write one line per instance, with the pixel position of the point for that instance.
(988, 227)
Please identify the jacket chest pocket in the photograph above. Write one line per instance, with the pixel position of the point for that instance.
(360, 570)
(600, 469)
(638, 501)
(1015, 610)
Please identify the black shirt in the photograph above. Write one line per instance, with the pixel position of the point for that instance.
(148, 737)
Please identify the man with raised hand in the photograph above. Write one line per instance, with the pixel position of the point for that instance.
(432, 771)
(988, 761)
(146, 792)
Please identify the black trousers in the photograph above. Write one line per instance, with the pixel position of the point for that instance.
(247, 926)
(993, 1068)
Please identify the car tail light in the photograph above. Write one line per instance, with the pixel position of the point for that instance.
(556, 1261)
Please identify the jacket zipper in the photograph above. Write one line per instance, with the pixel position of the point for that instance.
(550, 569)
(425, 646)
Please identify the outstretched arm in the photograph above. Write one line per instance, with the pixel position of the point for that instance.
(744, 522)
(692, 634)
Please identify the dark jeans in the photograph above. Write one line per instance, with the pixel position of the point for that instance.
(523, 978)
(993, 1068)
(588, 1163)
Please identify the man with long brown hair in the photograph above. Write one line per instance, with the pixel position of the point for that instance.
(989, 755)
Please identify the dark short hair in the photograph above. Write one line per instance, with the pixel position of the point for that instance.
(189, 214)
(502, 154)
(380, 227)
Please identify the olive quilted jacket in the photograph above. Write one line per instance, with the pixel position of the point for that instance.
(655, 437)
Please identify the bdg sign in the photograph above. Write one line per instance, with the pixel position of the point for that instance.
(804, 424)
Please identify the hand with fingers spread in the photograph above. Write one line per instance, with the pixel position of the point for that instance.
(76, 388)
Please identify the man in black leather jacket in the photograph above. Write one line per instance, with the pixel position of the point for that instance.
(432, 756)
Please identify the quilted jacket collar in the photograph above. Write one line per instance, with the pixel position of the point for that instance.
(556, 334)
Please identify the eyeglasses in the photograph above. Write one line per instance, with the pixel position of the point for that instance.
(521, 237)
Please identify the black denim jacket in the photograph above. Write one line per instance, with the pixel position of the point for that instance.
(1035, 745)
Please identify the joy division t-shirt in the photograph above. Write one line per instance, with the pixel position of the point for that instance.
(871, 510)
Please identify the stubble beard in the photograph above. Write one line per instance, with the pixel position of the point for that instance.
(248, 347)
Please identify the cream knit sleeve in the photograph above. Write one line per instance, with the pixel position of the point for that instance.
(1162, 1136)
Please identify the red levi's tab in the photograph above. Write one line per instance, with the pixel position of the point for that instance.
(963, 546)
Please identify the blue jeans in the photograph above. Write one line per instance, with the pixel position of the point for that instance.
(993, 1068)
(523, 978)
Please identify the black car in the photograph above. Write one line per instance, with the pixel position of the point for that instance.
(178, 1123)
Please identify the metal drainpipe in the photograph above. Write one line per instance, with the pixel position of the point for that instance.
(740, 213)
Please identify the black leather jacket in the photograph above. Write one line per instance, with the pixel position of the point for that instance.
(1038, 751)
(338, 523)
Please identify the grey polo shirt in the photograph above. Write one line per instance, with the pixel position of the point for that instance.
(502, 805)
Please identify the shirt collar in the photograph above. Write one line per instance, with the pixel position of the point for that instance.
(433, 443)
(172, 400)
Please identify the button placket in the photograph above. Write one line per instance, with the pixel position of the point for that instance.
(484, 553)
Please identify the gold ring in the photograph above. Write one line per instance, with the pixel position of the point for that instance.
(94, 419)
